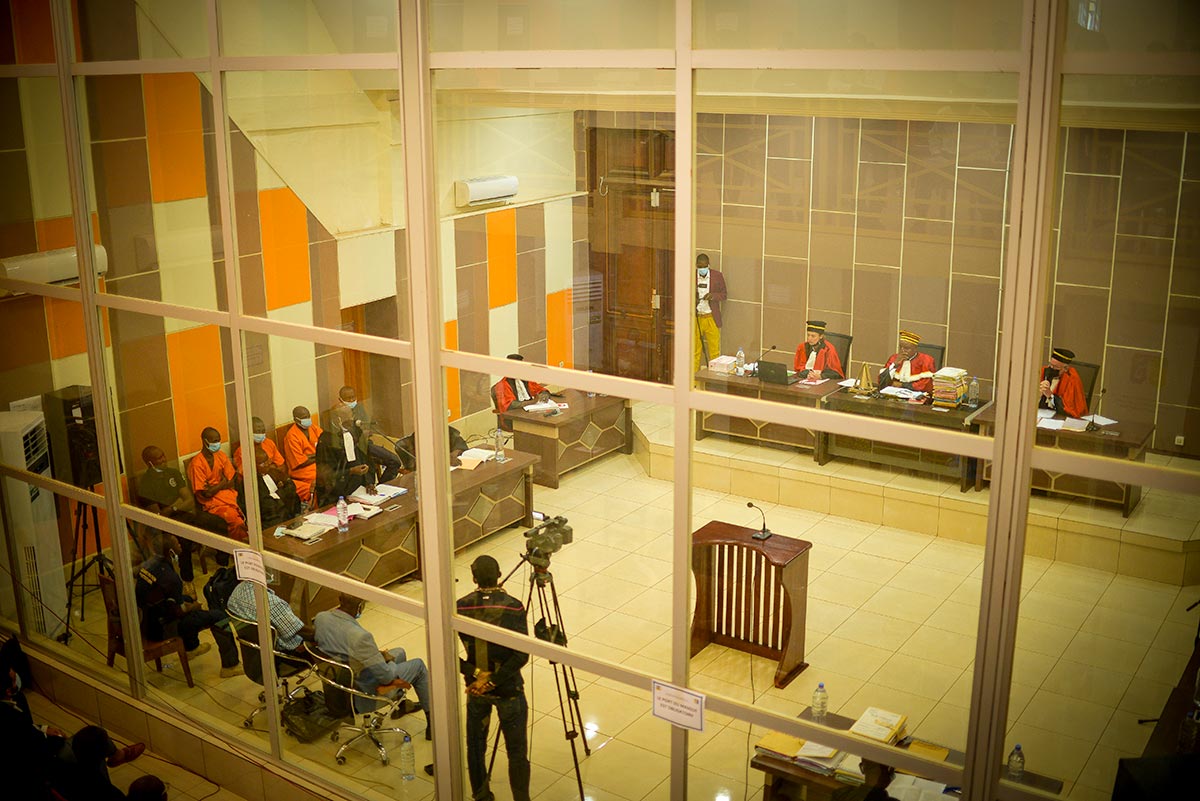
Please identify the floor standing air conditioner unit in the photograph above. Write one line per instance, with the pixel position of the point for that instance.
(31, 526)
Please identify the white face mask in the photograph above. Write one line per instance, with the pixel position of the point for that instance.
(304, 422)
(260, 437)
(156, 468)
(352, 404)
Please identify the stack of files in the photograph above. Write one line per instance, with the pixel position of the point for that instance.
(383, 494)
(362, 511)
(302, 531)
(850, 771)
(879, 724)
(808, 755)
(913, 788)
(778, 744)
(949, 387)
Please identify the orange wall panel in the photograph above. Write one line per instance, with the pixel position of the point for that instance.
(197, 384)
(560, 340)
(55, 233)
(64, 321)
(284, 224)
(174, 136)
(32, 31)
(453, 396)
(502, 257)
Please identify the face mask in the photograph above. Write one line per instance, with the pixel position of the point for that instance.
(703, 271)
(358, 614)
(352, 404)
(213, 447)
(156, 468)
(17, 684)
(304, 422)
(260, 437)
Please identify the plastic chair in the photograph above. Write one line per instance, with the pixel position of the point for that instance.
(152, 650)
(341, 684)
(287, 666)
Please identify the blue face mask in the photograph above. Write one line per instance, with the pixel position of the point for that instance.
(304, 422)
(352, 404)
(213, 446)
(702, 270)
(259, 437)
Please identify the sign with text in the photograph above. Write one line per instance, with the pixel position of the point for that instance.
(683, 708)
(249, 566)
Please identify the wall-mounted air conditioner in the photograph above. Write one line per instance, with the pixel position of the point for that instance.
(51, 266)
(479, 191)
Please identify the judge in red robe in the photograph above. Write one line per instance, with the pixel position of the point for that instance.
(1061, 388)
(908, 367)
(816, 357)
(510, 390)
(211, 475)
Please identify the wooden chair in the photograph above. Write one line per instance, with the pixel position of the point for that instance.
(151, 649)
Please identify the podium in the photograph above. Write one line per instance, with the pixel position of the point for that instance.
(751, 595)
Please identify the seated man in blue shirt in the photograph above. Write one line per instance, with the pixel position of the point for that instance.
(379, 672)
(290, 631)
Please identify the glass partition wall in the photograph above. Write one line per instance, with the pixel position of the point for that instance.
(711, 331)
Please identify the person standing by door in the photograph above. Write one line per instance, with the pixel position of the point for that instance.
(710, 291)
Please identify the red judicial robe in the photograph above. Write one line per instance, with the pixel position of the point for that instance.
(827, 362)
(505, 394)
(920, 370)
(1068, 393)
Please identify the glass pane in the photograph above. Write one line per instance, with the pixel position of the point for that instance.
(318, 189)
(1130, 26)
(567, 258)
(37, 234)
(300, 27)
(858, 25)
(29, 38)
(1103, 637)
(151, 157)
(63, 553)
(572, 514)
(293, 382)
(551, 25)
(107, 31)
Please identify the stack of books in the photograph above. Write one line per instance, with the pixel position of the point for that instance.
(811, 756)
(949, 387)
(850, 771)
(879, 724)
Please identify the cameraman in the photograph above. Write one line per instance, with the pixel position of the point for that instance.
(493, 677)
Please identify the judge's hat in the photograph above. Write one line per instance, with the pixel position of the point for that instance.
(910, 337)
(1063, 355)
(516, 357)
(816, 325)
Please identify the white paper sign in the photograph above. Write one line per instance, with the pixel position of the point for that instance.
(272, 487)
(676, 705)
(249, 566)
(348, 442)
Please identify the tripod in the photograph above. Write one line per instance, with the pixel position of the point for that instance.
(550, 628)
(79, 551)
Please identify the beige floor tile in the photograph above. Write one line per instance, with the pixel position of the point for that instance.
(876, 569)
(871, 694)
(945, 725)
(1175, 637)
(1073, 717)
(1120, 625)
(952, 557)
(844, 656)
(875, 629)
(826, 616)
(943, 647)
(823, 557)
(634, 633)
(842, 590)
(1163, 666)
(640, 568)
(1104, 652)
(917, 676)
(606, 507)
(1101, 768)
(1050, 753)
(902, 604)
(1030, 667)
(1044, 638)
(1081, 792)
(926, 580)
(1100, 686)
(1133, 596)
(725, 754)
(839, 532)
(801, 689)
(651, 518)
(1145, 698)
(1055, 609)
(894, 543)
(625, 770)
(1124, 733)
(605, 591)
(588, 554)
(958, 618)
(650, 605)
(1079, 584)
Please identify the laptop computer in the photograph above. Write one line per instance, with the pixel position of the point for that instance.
(776, 373)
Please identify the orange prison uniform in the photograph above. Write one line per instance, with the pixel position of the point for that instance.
(298, 445)
(267, 445)
(224, 504)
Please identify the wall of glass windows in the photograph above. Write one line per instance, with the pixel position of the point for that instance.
(742, 348)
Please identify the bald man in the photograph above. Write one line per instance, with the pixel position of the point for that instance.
(212, 478)
(300, 452)
(162, 490)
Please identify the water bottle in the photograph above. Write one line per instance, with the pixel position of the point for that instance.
(820, 703)
(591, 394)
(740, 361)
(408, 760)
(1016, 763)
(499, 446)
(973, 392)
(1188, 731)
(343, 516)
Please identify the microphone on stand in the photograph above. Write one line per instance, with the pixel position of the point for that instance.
(759, 359)
(763, 534)
(1091, 426)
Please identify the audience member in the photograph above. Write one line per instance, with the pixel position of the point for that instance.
(147, 788)
(290, 631)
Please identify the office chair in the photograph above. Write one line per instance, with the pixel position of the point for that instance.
(1088, 373)
(938, 352)
(841, 344)
(287, 666)
(344, 699)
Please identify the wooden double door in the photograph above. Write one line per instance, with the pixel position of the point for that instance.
(631, 219)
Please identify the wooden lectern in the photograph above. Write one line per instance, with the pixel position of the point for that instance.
(751, 595)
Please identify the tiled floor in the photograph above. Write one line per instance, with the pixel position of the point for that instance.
(182, 784)
(891, 622)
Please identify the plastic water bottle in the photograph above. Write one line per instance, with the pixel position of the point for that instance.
(499, 447)
(820, 703)
(1189, 729)
(408, 760)
(343, 516)
(590, 393)
(740, 361)
(973, 392)
(1016, 763)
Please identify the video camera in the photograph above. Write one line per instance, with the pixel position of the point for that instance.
(545, 539)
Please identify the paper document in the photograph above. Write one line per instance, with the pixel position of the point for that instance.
(901, 392)
(364, 511)
(814, 382)
(383, 493)
(913, 788)
(1050, 424)
(1073, 424)
(478, 455)
(816, 750)
(389, 491)
(879, 724)
(1100, 420)
(272, 487)
(348, 445)
(304, 531)
(548, 406)
(849, 382)
(1045, 413)
(323, 519)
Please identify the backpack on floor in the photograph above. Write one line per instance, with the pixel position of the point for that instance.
(306, 718)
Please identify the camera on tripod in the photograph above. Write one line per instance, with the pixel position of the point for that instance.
(546, 539)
